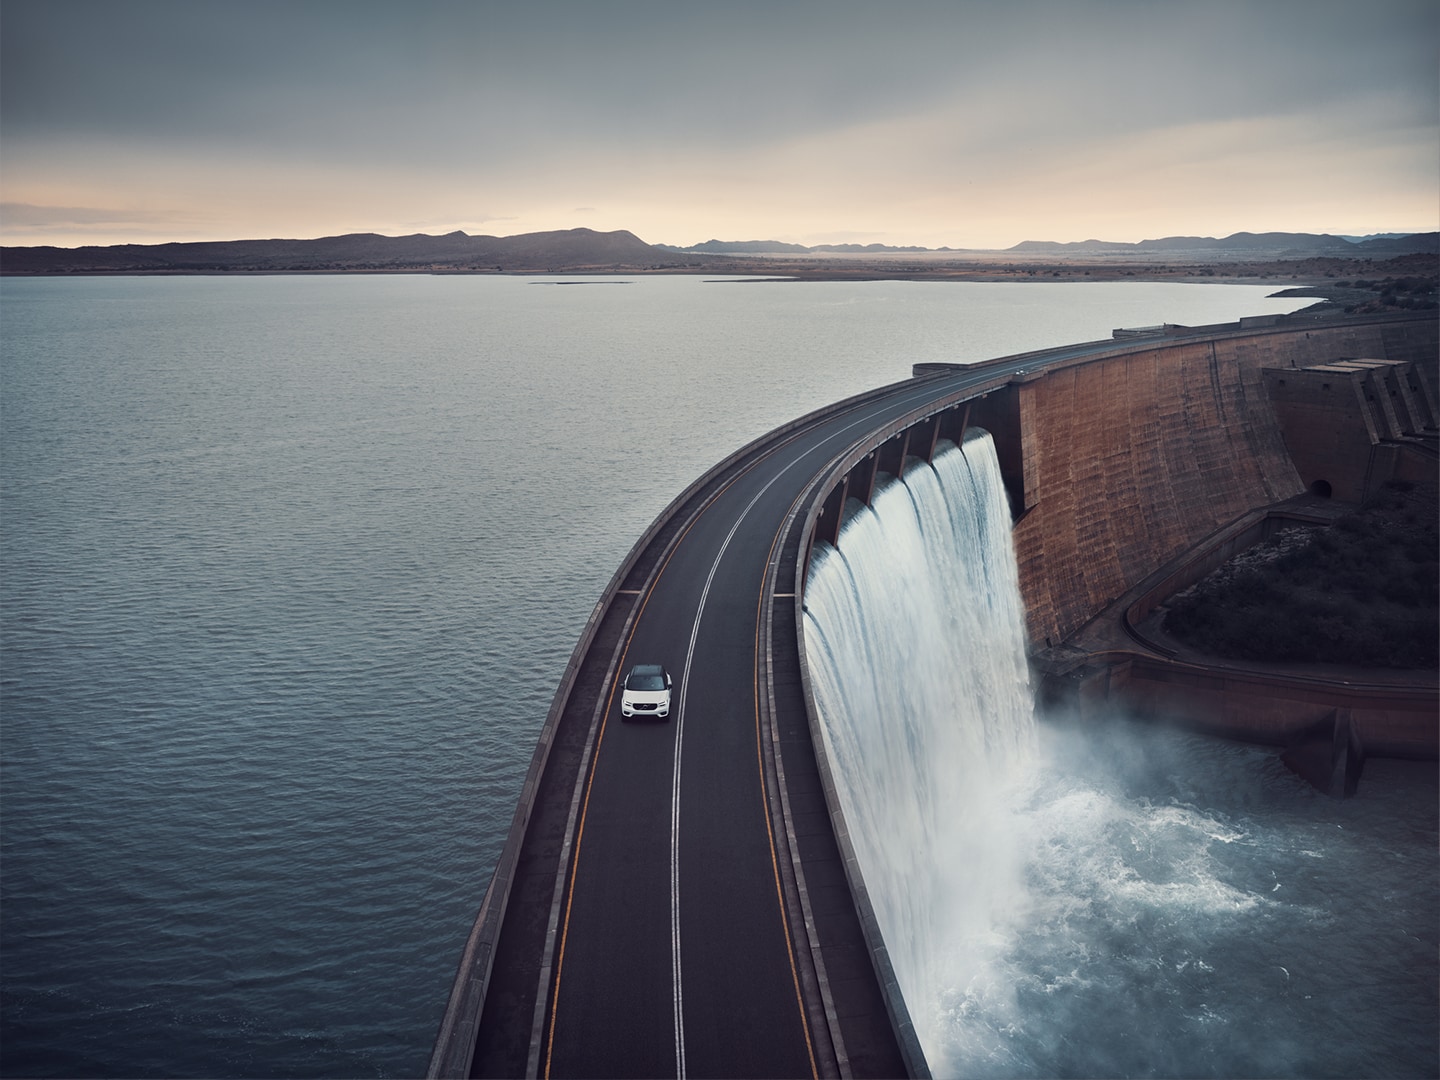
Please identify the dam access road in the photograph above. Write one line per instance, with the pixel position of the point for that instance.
(681, 898)
(679, 905)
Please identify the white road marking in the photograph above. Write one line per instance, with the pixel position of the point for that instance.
(675, 965)
(675, 789)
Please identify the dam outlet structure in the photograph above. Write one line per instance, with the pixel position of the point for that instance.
(915, 639)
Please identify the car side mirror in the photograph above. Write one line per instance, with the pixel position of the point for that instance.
(667, 682)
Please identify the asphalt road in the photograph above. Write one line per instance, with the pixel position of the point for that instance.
(674, 956)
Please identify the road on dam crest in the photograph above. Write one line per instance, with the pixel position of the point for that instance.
(670, 948)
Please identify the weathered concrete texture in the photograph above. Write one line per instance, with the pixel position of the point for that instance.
(1130, 460)
(1352, 425)
(1328, 754)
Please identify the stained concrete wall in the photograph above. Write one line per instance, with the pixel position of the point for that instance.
(1351, 425)
(1130, 460)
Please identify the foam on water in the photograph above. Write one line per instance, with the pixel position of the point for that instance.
(1103, 899)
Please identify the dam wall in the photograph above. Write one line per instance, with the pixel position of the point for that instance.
(1128, 460)
(1116, 458)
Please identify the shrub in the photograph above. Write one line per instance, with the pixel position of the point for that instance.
(1366, 592)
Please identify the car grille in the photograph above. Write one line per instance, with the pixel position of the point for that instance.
(644, 705)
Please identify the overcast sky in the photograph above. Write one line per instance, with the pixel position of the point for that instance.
(965, 123)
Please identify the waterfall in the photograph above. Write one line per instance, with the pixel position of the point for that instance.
(915, 636)
(1119, 898)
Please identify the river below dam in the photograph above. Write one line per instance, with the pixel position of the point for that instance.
(292, 566)
(1098, 898)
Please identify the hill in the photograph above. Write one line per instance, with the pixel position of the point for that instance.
(1238, 246)
(585, 250)
(780, 247)
(1243, 245)
(566, 250)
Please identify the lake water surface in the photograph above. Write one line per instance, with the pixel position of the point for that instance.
(291, 567)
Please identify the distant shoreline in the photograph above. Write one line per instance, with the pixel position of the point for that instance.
(1288, 258)
(1033, 268)
(1336, 284)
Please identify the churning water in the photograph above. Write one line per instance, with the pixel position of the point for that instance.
(1103, 900)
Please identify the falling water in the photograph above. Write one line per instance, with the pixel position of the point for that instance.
(921, 600)
(1101, 899)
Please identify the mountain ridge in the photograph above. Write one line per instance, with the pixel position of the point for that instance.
(581, 250)
(558, 250)
(1273, 244)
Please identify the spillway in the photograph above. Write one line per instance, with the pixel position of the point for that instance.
(1114, 898)
(915, 634)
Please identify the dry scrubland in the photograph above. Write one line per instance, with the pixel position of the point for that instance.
(1365, 592)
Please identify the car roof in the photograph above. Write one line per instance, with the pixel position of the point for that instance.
(647, 669)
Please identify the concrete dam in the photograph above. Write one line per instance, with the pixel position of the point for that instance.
(666, 888)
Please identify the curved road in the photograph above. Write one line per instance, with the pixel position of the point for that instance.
(674, 952)
(677, 903)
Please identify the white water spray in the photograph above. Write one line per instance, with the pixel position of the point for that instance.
(1106, 899)
(915, 634)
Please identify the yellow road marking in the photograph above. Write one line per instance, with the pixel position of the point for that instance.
(594, 765)
(769, 831)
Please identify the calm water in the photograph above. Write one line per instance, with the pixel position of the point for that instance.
(290, 569)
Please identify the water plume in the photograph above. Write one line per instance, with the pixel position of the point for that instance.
(915, 633)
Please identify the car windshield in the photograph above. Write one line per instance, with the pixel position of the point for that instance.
(645, 682)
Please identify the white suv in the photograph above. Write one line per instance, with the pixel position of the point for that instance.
(646, 692)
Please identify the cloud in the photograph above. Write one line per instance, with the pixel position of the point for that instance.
(28, 222)
(932, 122)
(29, 214)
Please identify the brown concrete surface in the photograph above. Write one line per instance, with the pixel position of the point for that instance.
(1351, 424)
(1131, 460)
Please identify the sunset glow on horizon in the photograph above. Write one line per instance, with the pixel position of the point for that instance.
(960, 124)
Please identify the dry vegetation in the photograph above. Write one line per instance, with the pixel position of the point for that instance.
(1365, 592)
